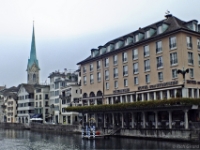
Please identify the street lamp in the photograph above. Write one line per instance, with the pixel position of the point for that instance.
(183, 72)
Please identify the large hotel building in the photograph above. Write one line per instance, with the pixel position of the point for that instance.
(143, 64)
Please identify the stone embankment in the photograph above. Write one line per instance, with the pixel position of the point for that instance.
(14, 126)
(55, 128)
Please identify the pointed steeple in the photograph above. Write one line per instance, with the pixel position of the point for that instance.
(33, 69)
(33, 56)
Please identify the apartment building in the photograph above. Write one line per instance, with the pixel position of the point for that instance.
(57, 81)
(25, 109)
(143, 64)
(70, 96)
(41, 102)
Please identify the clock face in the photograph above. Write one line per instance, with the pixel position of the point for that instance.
(33, 68)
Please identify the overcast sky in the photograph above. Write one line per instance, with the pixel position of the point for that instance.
(66, 30)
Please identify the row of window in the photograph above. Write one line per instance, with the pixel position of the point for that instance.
(26, 104)
(147, 78)
(173, 56)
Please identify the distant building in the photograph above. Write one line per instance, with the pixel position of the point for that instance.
(41, 102)
(33, 69)
(25, 109)
(8, 104)
(57, 80)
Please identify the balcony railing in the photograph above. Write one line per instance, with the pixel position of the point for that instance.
(91, 80)
(125, 73)
(125, 59)
(115, 62)
(135, 56)
(189, 45)
(159, 65)
(135, 70)
(98, 79)
(146, 53)
(158, 49)
(190, 61)
(172, 45)
(115, 75)
(175, 61)
(106, 77)
(146, 68)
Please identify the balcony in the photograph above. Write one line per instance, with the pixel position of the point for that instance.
(172, 45)
(46, 105)
(189, 45)
(190, 61)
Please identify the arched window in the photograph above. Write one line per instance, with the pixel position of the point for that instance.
(92, 94)
(34, 77)
(84, 95)
(99, 93)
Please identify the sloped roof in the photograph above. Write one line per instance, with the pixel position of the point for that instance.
(28, 87)
(173, 22)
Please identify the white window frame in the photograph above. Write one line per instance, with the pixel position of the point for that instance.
(147, 65)
(173, 59)
(198, 44)
(98, 76)
(107, 86)
(147, 78)
(159, 61)
(116, 84)
(125, 70)
(106, 62)
(115, 72)
(174, 73)
(160, 76)
(125, 82)
(84, 80)
(190, 58)
(135, 68)
(115, 60)
(135, 54)
(91, 78)
(124, 57)
(106, 74)
(136, 81)
(189, 42)
(158, 47)
(191, 71)
(172, 42)
(146, 50)
(98, 64)
(91, 67)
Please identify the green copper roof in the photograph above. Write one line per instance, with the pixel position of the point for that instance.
(33, 57)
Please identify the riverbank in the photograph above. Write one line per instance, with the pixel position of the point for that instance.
(157, 134)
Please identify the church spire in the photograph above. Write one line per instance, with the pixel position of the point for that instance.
(33, 56)
(33, 65)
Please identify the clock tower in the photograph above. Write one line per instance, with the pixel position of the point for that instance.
(33, 69)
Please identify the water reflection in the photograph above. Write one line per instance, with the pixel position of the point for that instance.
(27, 140)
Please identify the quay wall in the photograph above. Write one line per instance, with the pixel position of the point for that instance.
(55, 128)
(13, 126)
(165, 134)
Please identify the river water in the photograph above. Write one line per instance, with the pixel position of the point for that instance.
(29, 140)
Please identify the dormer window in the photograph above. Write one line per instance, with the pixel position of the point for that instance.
(93, 54)
(159, 31)
(109, 48)
(128, 41)
(118, 44)
(195, 27)
(136, 37)
(147, 34)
